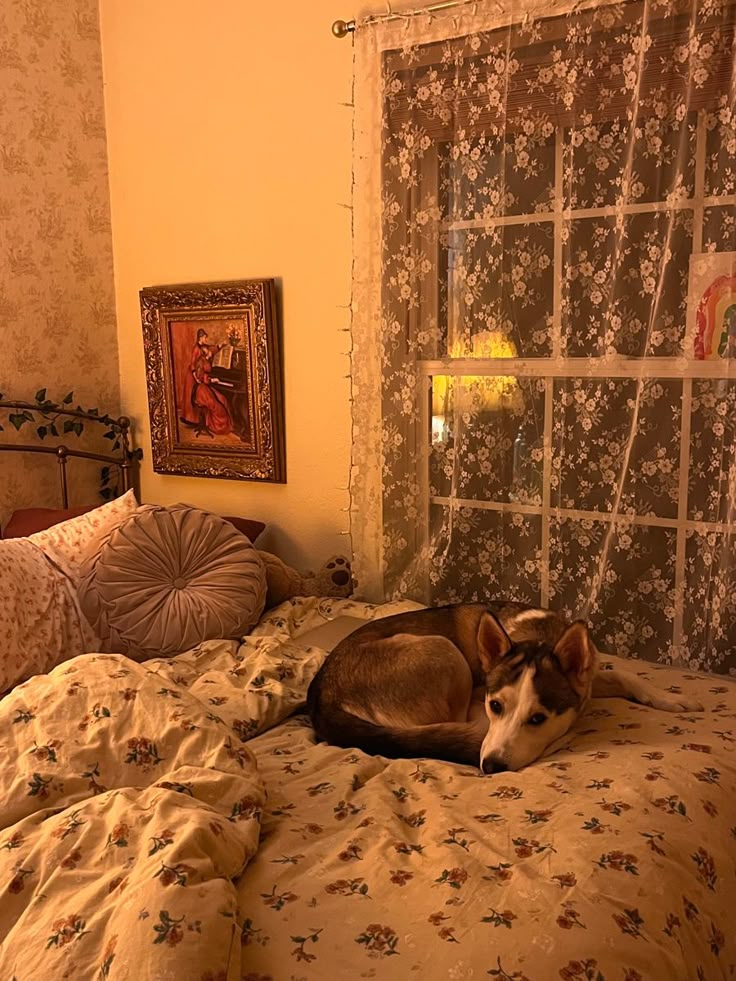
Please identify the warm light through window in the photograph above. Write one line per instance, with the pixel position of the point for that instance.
(473, 393)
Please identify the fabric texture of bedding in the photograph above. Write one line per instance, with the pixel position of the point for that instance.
(66, 543)
(128, 816)
(610, 860)
(41, 623)
(168, 578)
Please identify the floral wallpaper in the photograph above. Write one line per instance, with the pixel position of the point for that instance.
(57, 313)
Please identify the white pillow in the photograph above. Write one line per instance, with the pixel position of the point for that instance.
(65, 544)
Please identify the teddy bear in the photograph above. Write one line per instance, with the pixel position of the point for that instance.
(283, 581)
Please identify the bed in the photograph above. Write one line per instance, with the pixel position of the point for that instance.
(175, 818)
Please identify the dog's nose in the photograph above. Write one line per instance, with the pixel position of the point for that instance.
(492, 764)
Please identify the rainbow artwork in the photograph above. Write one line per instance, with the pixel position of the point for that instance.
(713, 305)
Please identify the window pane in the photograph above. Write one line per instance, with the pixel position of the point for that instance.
(487, 438)
(712, 490)
(646, 160)
(501, 281)
(592, 429)
(719, 229)
(485, 176)
(709, 623)
(616, 296)
(720, 153)
(634, 607)
(479, 554)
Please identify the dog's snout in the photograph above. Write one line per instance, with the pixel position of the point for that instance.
(492, 764)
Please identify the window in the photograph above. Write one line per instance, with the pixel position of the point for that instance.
(550, 431)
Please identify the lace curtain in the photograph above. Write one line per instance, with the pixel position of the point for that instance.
(544, 316)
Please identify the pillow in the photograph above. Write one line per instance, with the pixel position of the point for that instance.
(169, 578)
(27, 521)
(65, 544)
(40, 620)
(251, 529)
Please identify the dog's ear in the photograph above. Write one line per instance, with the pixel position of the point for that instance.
(493, 642)
(577, 655)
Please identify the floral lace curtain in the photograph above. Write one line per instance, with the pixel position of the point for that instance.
(544, 316)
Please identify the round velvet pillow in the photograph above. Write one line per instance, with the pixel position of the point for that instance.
(168, 578)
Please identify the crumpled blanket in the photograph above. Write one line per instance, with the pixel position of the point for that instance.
(127, 810)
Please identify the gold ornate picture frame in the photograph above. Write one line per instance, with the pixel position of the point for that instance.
(214, 375)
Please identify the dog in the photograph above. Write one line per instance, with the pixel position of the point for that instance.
(495, 685)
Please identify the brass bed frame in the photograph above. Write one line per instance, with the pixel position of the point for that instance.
(121, 456)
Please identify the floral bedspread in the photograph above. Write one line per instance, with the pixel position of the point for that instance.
(175, 819)
(612, 860)
(126, 813)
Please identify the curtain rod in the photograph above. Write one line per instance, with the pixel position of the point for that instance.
(341, 28)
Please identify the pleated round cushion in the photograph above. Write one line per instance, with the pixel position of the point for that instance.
(169, 578)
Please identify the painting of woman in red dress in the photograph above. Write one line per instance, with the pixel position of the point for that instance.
(205, 409)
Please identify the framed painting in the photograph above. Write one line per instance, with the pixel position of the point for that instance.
(214, 374)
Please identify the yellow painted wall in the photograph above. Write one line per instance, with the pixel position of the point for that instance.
(229, 154)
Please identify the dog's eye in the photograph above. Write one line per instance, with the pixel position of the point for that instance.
(495, 706)
(537, 719)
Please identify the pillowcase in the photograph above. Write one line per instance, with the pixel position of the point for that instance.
(40, 620)
(169, 578)
(28, 521)
(65, 544)
(251, 529)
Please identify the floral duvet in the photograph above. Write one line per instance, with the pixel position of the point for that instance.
(175, 820)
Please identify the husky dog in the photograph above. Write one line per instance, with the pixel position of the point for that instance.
(494, 685)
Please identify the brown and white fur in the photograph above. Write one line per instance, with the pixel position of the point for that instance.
(494, 685)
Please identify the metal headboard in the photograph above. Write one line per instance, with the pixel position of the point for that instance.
(121, 456)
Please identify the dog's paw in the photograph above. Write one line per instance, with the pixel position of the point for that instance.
(676, 703)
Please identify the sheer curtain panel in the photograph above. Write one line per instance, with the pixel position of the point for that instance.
(544, 316)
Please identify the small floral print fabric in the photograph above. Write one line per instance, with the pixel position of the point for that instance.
(68, 543)
(41, 623)
(130, 810)
(176, 819)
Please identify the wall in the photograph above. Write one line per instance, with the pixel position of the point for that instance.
(229, 155)
(57, 314)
